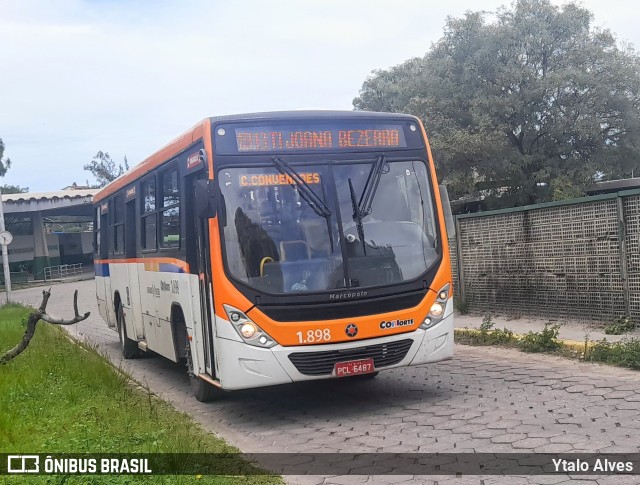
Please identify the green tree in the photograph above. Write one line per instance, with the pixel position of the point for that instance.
(104, 169)
(5, 163)
(13, 189)
(534, 104)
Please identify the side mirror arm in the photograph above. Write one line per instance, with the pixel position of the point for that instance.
(446, 209)
(206, 203)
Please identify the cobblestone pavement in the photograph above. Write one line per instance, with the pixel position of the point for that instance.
(484, 400)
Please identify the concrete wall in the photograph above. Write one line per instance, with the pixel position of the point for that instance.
(22, 252)
(578, 259)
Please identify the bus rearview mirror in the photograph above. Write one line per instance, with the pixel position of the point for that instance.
(205, 199)
(448, 215)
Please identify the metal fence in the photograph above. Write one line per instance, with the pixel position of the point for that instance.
(62, 271)
(576, 259)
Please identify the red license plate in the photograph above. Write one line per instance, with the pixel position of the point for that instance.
(354, 367)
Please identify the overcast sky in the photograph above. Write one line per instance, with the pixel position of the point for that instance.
(128, 76)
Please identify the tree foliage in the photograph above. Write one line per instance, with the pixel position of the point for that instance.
(13, 189)
(5, 163)
(532, 101)
(104, 169)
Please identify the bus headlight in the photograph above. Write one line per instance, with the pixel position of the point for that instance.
(437, 309)
(251, 333)
(248, 330)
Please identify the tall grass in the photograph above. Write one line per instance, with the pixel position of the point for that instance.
(59, 397)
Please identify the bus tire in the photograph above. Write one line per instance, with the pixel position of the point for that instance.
(202, 390)
(128, 347)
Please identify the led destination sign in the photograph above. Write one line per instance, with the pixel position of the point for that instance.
(347, 135)
(257, 140)
(262, 180)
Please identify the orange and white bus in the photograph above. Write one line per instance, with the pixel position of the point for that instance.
(270, 248)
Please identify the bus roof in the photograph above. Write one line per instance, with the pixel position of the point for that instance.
(308, 114)
(158, 158)
(199, 129)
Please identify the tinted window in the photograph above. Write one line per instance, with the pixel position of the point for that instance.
(170, 217)
(149, 196)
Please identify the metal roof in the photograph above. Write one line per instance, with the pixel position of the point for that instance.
(41, 196)
(60, 202)
(614, 186)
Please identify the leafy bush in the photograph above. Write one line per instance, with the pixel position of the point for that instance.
(625, 353)
(487, 324)
(461, 306)
(486, 335)
(619, 326)
(544, 341)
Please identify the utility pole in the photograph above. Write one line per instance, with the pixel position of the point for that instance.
(5, 252)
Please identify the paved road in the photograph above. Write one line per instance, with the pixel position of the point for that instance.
(485, 400)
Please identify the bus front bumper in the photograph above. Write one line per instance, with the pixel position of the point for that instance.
(245, 366)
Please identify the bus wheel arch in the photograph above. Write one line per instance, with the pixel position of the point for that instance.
(201, 389)
(179, 332)
(128, 347)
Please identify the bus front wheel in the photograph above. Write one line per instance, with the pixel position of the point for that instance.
(128, 347)
(202, 390)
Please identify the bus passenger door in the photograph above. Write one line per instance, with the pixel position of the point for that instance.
(132, 296)
(198, 258)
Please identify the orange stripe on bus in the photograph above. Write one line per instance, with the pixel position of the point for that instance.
(163, 155)
(150, 264)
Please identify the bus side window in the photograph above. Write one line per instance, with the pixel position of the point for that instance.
(148, 222)
(104, 237)
(118, 225)
(170, 215)
(96, 231)
(130, 223)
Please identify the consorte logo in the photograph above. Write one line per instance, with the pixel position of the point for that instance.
(386, 324)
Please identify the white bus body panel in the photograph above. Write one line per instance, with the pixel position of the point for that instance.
(237, 364)
(246, 366)
(104, 299)
(158, 292)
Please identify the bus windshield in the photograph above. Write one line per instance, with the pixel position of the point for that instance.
(277, 243)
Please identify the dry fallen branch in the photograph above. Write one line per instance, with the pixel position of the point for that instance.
(35, 317)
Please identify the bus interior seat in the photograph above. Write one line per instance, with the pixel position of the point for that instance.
(315, 233)
(294, 250)
(292, 273)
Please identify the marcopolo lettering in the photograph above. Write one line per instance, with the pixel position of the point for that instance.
(347, 296)
(396, 323)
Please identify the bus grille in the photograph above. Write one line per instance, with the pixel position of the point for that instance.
(321, 363)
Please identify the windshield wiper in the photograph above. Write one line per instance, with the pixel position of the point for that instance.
(363, 208)
(370, 187)
(306, 192)
(357, 217)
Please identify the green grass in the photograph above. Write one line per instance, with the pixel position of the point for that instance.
(485, 335)
(60, 397)
(625, 353)
(619, 326)
(544, 341)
